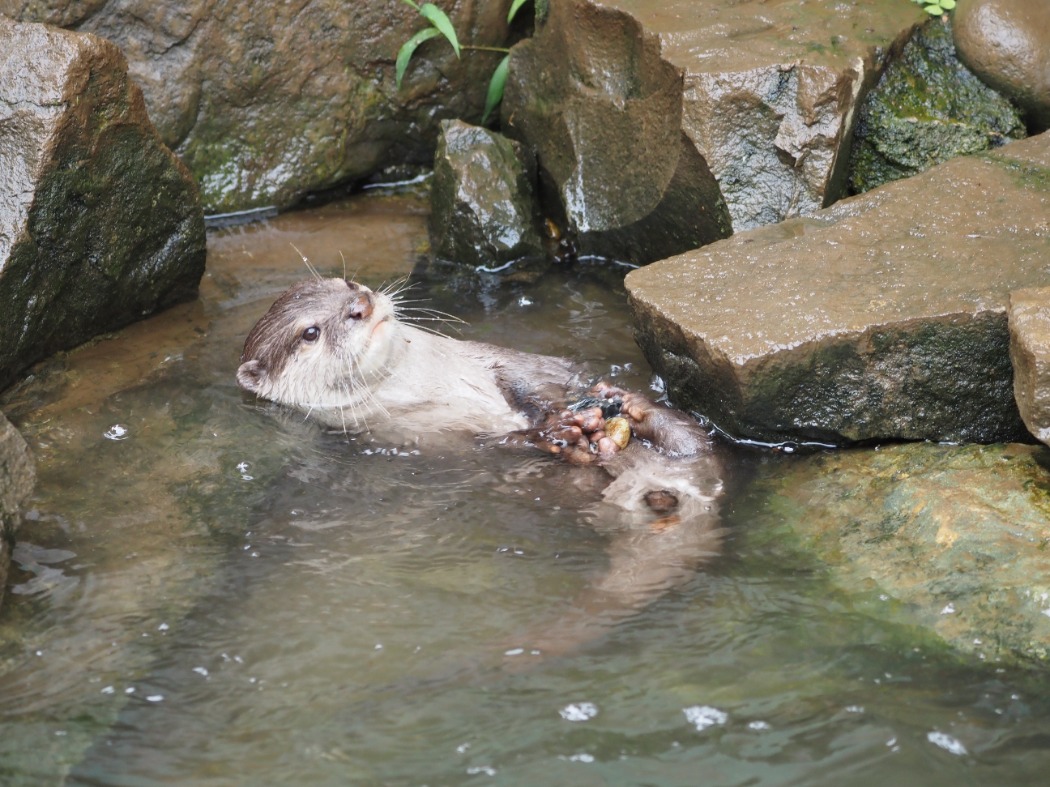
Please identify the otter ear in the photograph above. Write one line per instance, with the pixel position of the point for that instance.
(250, 375)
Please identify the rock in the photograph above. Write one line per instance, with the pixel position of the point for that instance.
(17, 476)
(1029, 320)
(483, 210)
(591, 95)
(1007, 44)
(949, 538)
(926, 108)
(266, 102)
(99, 223)
(771, 91)
(882, 317)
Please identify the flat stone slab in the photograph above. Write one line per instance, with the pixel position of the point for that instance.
(882, 317)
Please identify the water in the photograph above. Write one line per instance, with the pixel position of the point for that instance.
(211, 592)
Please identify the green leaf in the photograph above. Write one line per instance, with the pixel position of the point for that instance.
(404, 54)
(496, 85)
(947, 5)
(440, 20)
(411, 3)
(514, 9)
(933, 10)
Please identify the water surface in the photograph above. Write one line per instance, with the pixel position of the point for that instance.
(211, 592)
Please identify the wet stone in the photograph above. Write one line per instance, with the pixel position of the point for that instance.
(950, 539)
(100, 225)
(770, 91)
(17, 476)
(590, 95)
(1030, 355)
(1007, 44)
(926, 108)
(882, 317)
(483, 210)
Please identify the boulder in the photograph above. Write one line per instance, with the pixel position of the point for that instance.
(1007, 44)
(268, 101)
(947, 539)
(771, 91)
(483, 210)
(1029, 321)
(926, 108)
(99, 223)
(17, 476)
(592, 96)
(882, 317)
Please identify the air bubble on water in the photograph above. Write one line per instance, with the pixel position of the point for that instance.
(704, 716)
(117, 432)
(243, 468)
(947, 742)
(481, 770)
(525, 301)
(201, 671)
(514, 652)
(129, 690)
(462, 748)
(154, 697)
(579, 711)
(163, 627)
(854, 709)
(581, 757)
(949, 609)
(759, 726)
(108, 690)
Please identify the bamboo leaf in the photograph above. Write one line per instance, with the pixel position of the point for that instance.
(496, 85)
(517, 4)
(440, 20)
(404, 54)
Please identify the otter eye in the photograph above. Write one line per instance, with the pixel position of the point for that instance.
(312, 334)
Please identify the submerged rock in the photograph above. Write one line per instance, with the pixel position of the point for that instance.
(268, 101)
(483, 210)
(592, 96)
(882, 317)
(17, 476)
(99, 223)
(1029, 321)
(926, 108)
(951, 538)
(1007, 44)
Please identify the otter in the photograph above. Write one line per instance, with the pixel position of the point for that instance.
(343, 355)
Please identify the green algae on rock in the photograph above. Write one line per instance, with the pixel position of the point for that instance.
(950, 538)
(926, 108)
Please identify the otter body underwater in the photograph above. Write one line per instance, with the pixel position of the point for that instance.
(338, 352)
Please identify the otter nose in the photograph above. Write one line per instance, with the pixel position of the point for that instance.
(360, 305)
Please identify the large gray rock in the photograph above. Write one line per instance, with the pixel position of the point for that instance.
(592, 96)
(926, 108)
(1007, 44)
(267, 101)
(99, 223)
(1029, 320)
(17, 476)
(951, 539)
(483, 209)
(882, 317)
(771, 91)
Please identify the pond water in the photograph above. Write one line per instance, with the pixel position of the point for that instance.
(210, 592)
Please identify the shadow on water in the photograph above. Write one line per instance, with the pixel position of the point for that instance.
(229, 596)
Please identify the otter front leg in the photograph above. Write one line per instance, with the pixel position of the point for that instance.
(577, 435)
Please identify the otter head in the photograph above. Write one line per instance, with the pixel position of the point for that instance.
(320, 345)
